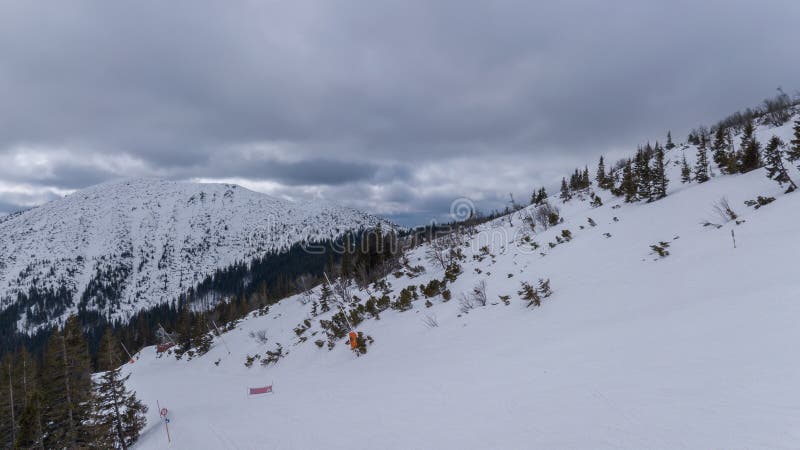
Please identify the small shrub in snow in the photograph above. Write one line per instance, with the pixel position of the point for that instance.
(529, 294)
(506, 299)
(591, 222)
(362, 341)
(596, 201)
(430, 321)
(544, 288)
(452, 272)
(465, 304)
(546, 215)
(403, 302)
(260, 336)
(319, 343)
(566, 234)
(249, 360)
(446, 295)
(759, 202)
(724, 211)
(479, 293)
(273, 356)
(660, 249)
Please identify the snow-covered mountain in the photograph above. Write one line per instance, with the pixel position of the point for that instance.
(123, 246)
(693, 348)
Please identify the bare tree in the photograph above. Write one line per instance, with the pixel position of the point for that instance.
(430, 321)
(465, 303)
(479, 293)
(260, 336)
(546, 215)
(304, 284)
(724, 211)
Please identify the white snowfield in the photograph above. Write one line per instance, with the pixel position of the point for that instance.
(153, 238)
(697, 350)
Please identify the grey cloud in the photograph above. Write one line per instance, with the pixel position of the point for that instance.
(367, 96)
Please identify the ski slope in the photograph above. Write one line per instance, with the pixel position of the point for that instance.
(694, 350)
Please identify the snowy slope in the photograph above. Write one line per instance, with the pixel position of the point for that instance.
(694, 350)
(151, 239)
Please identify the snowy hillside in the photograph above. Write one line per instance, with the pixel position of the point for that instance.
(693, 349)
(120, 247)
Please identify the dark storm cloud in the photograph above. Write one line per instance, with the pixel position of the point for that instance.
(370, 103)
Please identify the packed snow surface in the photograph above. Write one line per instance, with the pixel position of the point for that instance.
(697, 349)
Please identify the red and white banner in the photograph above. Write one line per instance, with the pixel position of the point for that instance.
(260, 390)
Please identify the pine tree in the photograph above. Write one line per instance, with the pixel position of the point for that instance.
(565, 192)
(773, 159)
(539, 196)
(18, 381)
(701, 167)
(118, 415)
(793, 154)
(585, 181)
(346, 262)
(642, 169)
(686, 172)
(732, 157)
(628, 187)
(183, 331)
(600, 177)
(109, 356)
(30, 433)
(669, 145)
(720, 145)
(659, 172)
(9, 403)
(67, 388)
(749, 158)
(325, 297)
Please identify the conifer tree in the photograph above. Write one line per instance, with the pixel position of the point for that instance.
(642, 168)
(325, 297)
(670, 145)
(720, 146)
(749, 158)
(793, 154)
(109, 355)
(30, 433)
(773, 159)
(346, 263)
(701, 167)
(686, 172)
(659, 175)
(539, 196)
(732, 157)
(565, 192)
(585, 181)
(67, 388)
(600, 177)
(9, 404)
(118, 416)
(628, 187)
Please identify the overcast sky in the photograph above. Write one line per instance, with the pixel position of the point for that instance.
(395, 107)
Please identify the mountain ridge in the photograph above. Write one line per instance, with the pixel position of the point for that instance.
(121, 246)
